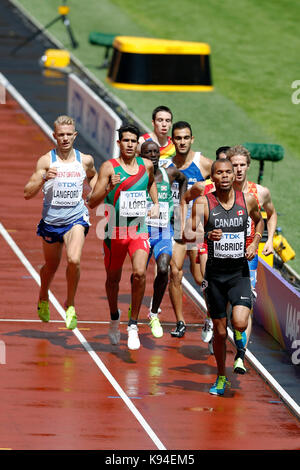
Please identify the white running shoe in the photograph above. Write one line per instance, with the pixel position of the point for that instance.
(207, 330)
(133, 337)
(114, 331)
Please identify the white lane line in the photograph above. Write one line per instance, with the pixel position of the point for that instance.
(84, 342)
(196, 297)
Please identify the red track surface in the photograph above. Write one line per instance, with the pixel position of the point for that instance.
(54, 396)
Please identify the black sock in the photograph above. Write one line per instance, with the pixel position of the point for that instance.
(114, 316)
(132, 322)
(240, 353)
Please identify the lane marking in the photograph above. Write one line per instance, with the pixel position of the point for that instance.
(84, 342)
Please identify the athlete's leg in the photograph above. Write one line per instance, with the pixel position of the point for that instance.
(253, 277)
(115, 251)
(52, 255)
(219, 343)
(161, 280)
(113, 277)
(240, 323)
(195, 267)
(176, 274)
(74, 241)
(139, 264)
(240, 317)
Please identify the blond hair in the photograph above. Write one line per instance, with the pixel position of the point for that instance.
(239, 150)
(64, 120)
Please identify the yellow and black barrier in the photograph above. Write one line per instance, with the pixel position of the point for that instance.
(149, 64)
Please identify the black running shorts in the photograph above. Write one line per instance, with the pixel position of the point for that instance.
(223, 287)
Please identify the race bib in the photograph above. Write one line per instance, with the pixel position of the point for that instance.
(133, 203)
(66, 193)
(163, 219)
(231, 245)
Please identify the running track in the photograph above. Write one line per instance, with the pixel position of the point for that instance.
(73, 390)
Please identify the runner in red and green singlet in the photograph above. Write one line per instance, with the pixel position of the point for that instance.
(123, 183)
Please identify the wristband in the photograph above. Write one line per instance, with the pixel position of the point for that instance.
(259, 234)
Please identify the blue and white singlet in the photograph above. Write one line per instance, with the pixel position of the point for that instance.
(63, 202)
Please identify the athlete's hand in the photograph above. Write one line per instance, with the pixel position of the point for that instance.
(154, 211)
(268, 248)
(113, 181)
(50, 174)
(215, 234)
(251, 251)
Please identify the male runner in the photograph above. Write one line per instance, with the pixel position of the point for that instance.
(160, 230)
(240, 158)
(122, 183)
(195, 167)
(60, 173)
(199, 189)
(162, 118)
(225, 216)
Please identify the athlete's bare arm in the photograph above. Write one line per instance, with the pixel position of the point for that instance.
(255, 214)
(152, 188)
(264, 196)
(106, 181)
(90, 170)
(42, 173)
(195, 191)
(194, 229)
(180, 178)
(205, 166)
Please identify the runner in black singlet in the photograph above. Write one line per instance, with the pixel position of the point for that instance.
(224, 214)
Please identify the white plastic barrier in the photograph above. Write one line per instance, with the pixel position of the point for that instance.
(96, 122)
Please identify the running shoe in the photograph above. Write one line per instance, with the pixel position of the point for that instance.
(238, 366)
(207, 330)
(43, 310)
(133, 337)
(71, 319)
(240, 339)
(114, 333)
(218, 387)
(179, 330)
(156, 328)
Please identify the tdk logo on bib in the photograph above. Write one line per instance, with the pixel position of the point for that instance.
(63, 184)
(232, 236)
(132, 194)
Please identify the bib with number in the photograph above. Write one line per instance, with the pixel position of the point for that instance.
(133, 203)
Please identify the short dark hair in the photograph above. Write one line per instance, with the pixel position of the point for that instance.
(222, 150)
(181, 125)
(220, 160)
(129, 128)
(161, 108)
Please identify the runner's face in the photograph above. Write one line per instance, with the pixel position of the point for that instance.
(151, 151)
(223, 176)
(162, 123)
(240, 167)
(128, 145)
(65, 135)
(182, 140)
